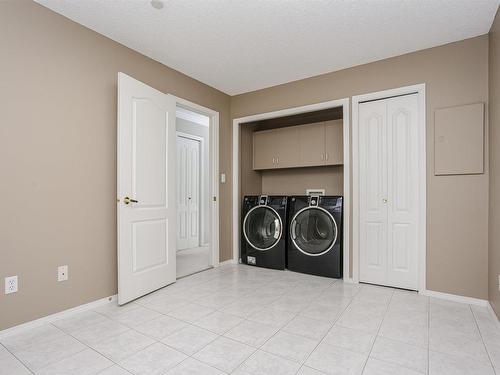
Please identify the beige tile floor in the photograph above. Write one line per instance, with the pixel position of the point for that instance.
(245, 320)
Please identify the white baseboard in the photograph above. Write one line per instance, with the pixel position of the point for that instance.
(493, 314)
(53, 317)
(455, 298)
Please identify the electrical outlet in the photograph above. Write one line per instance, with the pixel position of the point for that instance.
(62, 273)
(11, 284)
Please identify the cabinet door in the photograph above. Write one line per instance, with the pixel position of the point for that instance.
(334, 139)
(312, 144)
(286, 146)
(264, 149)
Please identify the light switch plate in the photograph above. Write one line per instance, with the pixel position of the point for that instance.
(223, 178)
(11, 284)
(62, 273)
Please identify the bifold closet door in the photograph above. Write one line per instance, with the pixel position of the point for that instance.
(389, 200)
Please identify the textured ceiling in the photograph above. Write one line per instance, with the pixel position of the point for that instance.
(238, 46)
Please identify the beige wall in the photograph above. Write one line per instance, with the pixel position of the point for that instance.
(295, 181)
(457, 206)
(494, 240)
(58, 156)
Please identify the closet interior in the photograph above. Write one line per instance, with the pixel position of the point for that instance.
(293, 155)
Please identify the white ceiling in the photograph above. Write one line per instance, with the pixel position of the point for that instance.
(238, 46)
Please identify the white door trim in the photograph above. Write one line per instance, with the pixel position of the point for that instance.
(344, 103)
(213, 145)
(202, 198)
(356, 100)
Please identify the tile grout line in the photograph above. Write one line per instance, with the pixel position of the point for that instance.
(378, 330)
(333, 325)
(482, 339)
(21, 362)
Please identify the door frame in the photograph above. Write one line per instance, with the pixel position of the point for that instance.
(344, 103)
(418, 89)
(213, 144)
(202, 198)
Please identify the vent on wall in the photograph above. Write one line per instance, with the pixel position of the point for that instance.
(315, 191)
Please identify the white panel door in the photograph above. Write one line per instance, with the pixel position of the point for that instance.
(402, 194)
(389, 201)
(188, 193)
(146, 189)
(373, 191)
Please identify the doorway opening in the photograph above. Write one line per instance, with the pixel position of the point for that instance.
(194, 250)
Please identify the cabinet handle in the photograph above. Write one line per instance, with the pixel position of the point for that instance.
(327, 156)
(277, 160)
(273, 160)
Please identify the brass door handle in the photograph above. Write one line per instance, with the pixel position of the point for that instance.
(128, 200)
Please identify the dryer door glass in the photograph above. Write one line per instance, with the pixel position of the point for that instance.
(262, 228)
(313, 231)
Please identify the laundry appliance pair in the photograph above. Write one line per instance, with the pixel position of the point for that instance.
(301, 233)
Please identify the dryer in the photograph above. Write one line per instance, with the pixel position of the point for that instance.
(263, 240)
(315, 235)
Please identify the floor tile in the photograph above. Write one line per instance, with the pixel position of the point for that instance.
(189, 340)
(165, 304)
(326, 308)
(219, 322)
(192, 366)
(351, 339)
(450, 342)
(445, 364)
(224, 354)
(360, 321)
(153, 360)
(251, 333)
(124, 345)
(399, 353)
(87, 362)
(262, 363)
(10, 365)
(80, 320)
(272, 316)
(406, 331)
(216, 300)
(243, 308)
(112, 309)
(293, 347)
(31, 336)
(40, 354)
(161, 327)
(191, 312)
(305, 370)
(377, 367)
(99, 332)
(114, 370)
(135, 317)
(335, 360)
(307, 327)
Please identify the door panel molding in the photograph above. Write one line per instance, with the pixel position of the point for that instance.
(417, 181)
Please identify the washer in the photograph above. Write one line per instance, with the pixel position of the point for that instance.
(315, 235)
(263, 240)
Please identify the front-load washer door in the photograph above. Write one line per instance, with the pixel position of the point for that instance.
(262, 228)
(313, 231)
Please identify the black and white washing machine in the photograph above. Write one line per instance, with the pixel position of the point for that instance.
(263, 240)
(315, 235)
